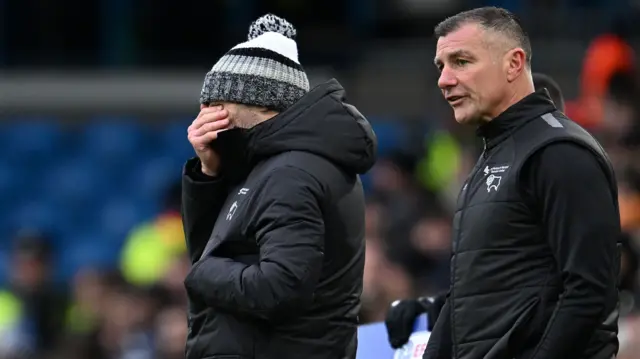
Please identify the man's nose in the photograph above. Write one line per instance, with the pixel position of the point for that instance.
(447, 79)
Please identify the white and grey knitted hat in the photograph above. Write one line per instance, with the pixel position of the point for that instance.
(264, 71)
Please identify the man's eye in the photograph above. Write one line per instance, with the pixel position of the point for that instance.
(461, 62)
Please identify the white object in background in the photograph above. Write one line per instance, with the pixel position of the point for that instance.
(415, 347)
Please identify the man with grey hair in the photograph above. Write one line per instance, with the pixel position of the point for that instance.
(273, 207)
(402, 314)
(534, 258)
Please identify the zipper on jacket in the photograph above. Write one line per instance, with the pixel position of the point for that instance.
(484, 148)
(465, 200)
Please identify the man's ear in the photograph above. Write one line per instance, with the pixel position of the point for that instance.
(516, 62)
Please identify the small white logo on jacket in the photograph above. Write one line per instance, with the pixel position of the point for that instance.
(495, 169)
(493, 181)
(232, 210)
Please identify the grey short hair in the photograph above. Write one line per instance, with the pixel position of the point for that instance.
(489, 17)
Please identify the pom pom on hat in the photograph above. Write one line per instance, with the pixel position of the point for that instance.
(271, 23)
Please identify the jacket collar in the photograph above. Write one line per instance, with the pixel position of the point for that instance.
(532, 106)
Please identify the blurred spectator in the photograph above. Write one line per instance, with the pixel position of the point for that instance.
(629, 331)
(441, 163)
(375, 219)
(629, 285)
(384, 282)
(431, 237)
(32, 307)
(122, 326)
(541, 80)
(152, 247)
(171, 329)
(171, 285)
(619, 132)
(607, 54)
(629, 199)
(404, 200)
(88, 291)
(620, 118)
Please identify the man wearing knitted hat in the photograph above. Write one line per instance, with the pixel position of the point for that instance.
(273, 208)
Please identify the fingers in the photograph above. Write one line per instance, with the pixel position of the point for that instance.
(206, 126)
(207, 115)
(211, 127)
(208, 137)
(200, 143)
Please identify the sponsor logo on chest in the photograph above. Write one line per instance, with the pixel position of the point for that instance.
(494, 176)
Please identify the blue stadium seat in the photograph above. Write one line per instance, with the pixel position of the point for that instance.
(119, 215)
(114, 141)
(4, 268)
(39, 215)
(150, 180)
(172, 139)
(367, 184)
(5, 233)
(391, 135)
(10, 181)
(90, 250)
(32, 139)
(75, 182)
(15, 188)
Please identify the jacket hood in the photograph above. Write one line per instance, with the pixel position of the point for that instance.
(321, 123)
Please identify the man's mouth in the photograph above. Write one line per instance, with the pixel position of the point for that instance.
(454, 100)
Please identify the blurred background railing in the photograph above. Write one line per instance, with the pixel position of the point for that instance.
(95, 99)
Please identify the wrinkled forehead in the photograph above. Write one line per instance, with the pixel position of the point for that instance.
(469, 40)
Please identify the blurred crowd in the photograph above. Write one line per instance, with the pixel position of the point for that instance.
(137, 310)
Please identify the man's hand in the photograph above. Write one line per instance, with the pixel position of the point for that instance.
(203, 131)
(400, 320)
(402, 315)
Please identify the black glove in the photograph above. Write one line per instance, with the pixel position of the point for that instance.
(401, 317)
